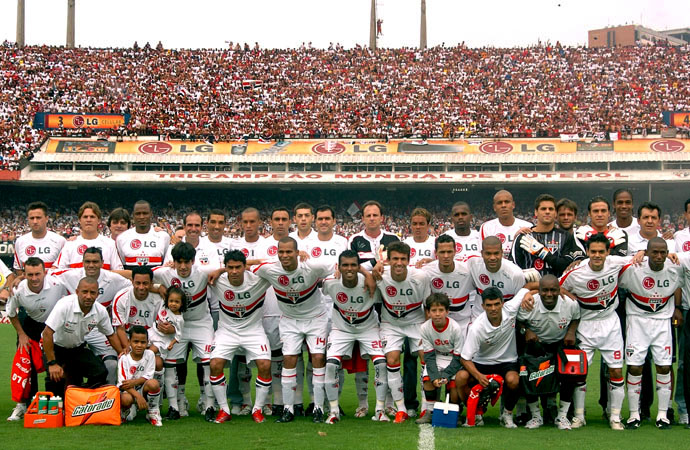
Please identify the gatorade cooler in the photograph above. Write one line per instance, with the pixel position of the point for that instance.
(445, 414)
(32, 418)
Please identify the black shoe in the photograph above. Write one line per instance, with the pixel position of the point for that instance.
(663, 424)
(671, 414)
(173, 414)
(277, 410)
(299, 410)
(645, 414)
(310, 410)
(286, 417)
(632, 424)
(522, 419)
(342, 413)
(317, 415)
(210, 414)
(550, 414)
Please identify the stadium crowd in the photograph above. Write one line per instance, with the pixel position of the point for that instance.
(230, 94)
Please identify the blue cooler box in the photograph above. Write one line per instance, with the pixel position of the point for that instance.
(445, 414)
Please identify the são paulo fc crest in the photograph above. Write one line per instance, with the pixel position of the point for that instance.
(284, 280)
(648, 283)
(437, 283)
(229, 295)
(593, 285)
(341, 297)
(135, 244)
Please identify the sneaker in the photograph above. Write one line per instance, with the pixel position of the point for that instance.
(363, 411)
(299, 409)
(267, 410)
(400, 417)
(683, 419)
(317, 415)
(200, 405)
(645, 414)
(522, 418)
(534, 423)
(183, 403)
(425, 417)
(123, 415)
(258, 416)
(19, 411)
(577, 422)
(411, 413)
(632, 424)
(310, 410)
(173, 414)
(286, 417)
(671, 415)
(155, 419)
(332, 419)
(132, 413)
(235, 409)
(391, 411)
(220, 418)
(380, 416)
(341, 412)
(276, 410)
(663, 424)
(617, 425)
(507, 421)
(245, 410)
(478, 422)
(210, 414)
(550, 414)
(563, 423)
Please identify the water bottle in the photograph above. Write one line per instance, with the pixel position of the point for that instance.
(43, 404)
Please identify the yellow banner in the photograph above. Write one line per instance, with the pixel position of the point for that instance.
(99, 121)
(363, 147)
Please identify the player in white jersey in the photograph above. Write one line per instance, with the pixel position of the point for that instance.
(552, 321)
(198, 324)
(37, 294)
(109, 284)
(649, 220)
(505, 226)
(492, 270)
(136, 305)
(303, 320)
(595, 285)
(650, 305)
(138, 387)
(72, 252)
(682, 247)
(403, 291)
(142, 245)
(420, 241)
(451, 277)
(623, 207)
(467, 240)
(40, 242)
(442, 341)
(240, 329)
(215, 239)
(354, 321)
(489, 348)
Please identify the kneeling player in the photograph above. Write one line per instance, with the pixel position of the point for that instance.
(442, 340)
(489, 348)
(240, 329)
(135, 378)
(354, 320)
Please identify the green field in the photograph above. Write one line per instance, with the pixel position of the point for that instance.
(349, 434)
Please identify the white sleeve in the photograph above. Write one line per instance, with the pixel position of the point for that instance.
(120, 309)
(57, 315)
(121, 371)
(150, 366)
(104, 325)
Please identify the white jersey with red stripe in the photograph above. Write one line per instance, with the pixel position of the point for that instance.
(403, 301)
(241, 307)
(682, 241)
(195, 286)
(37, 306)
(505, 234)
(445, 342)
(650, 293)
(466, 246)
(458, 285)
(251, 250)
(637, 242)
(509, 278)
(46, 249)
(269, 249)
(421, 250)
(596, 292)
(326, 251)
(129, 369)
(129, 311)
(353, 307)
(109, 283)
(142, 249)
(297, 291)
(72, 254)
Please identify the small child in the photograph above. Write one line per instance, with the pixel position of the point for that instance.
(442, 341)
(135, 379)
(162, 344)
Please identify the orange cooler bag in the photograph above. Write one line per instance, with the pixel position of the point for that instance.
(99, 406)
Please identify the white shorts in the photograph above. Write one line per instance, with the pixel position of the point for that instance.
(272, 331)
(393, 337)
(199, 334)
(99, 344)
(251, 342)
(643, 333)
(341, 343)
(293, 332)
(603, 335)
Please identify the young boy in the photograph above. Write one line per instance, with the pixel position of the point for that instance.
(442, 340)
(135, 379)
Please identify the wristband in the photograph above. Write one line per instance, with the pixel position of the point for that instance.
(52, 362)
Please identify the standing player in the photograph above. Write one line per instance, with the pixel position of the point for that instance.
(566, 214)
(420, 242)
(467, 240)
(354, 321)
(142, 245)
(216, 239)
(72, 253)
(251, 240)
(40, 242)
(682, 241)
(505, 226)
(492, 270)
(595, 285)
(649, 219)
(372, 241)
(118, 222)
(598, 210)
(651, 287)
